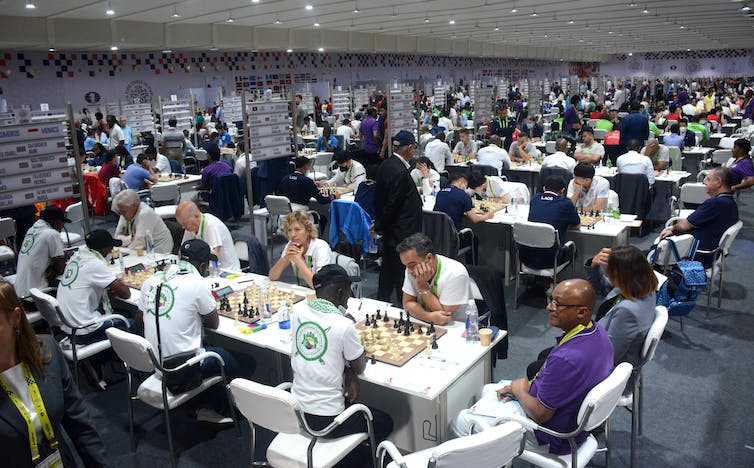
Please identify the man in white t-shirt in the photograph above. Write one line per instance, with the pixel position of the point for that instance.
(211, 230)
(116, 137)
(588, 192)
(522, 150)
(136, 219)
(159, 162)
(494, 155)
(559, 158)
(350, 173)
(436, 289)
(186, 306)
(327, 357)
(438, 152)
(86, 286)
(634, 163)
(41, 254)
(589, 150)
(658, 154)
(345, 130)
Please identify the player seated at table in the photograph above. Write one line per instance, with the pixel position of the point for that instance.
(350, 173)
(713, 217)
(214, 169)
(481, 187)
(436, 288)
(741, 167)
(456, 203)
(309, 127)
(305, 253)
(98, 155)
(658, 154)
(466, 148)
(581, 358)
(326, 370)
(191, 307)
(559, 158)
(439, 152)
(139, 176)
(589, 150)
(522, 151)
(553, 208)
(124, 158)
(425, 176)
(299, 188)
(158, 161)
(533, 129)
(136, 219)
(109, 169)
(211, 230)
(633, 162)
(494, 155)
(327, 141)
(588, 192)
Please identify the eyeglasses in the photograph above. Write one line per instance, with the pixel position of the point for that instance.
(551, 301)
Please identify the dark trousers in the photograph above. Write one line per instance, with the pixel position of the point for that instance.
(392, 272)
(533, 369)
(99, 334)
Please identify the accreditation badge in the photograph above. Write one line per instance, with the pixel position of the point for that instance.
(53, 460)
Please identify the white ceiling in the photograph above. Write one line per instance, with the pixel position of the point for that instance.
(600, 27)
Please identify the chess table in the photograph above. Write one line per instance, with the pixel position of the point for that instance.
(171, 177)
(329, 190)
(386, 341)
(489, 204)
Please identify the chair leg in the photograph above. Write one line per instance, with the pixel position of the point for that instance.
(75, 360)
(635, 423)
(130, 409)
(607, 443)
(169, 433)
(515, 291)
(720, 283)
(640, 403)
(709, 289)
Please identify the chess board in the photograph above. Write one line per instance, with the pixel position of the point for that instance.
(490, 204)
(135, 276)
(170, 177)
(252, 315)
(327, 190)
(385, 344)
(588, 220)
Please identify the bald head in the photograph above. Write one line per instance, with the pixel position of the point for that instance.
(561, 144)
(189, 216)
(571, 305)
(495, 140)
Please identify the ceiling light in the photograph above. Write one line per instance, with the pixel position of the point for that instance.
(630, 54)
(30, 6)
(426, 20)
(114, 47)
(316, 24)
(546, 35)
(230, 18)
(497, 28)
(632, 4)
(356, 7)
(51, 49)
(166, 51)
(688, 50)
(254, 1)
(682, 27)
(277, 20)
(321, 49)
(533, 13)
(743, 8)
(609, 32)
(175, 12)
(452, 21)
(109, 11)
(309, 6)
(571, 21)
(645, 10)
(513, 10)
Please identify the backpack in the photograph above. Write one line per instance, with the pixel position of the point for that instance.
(685, 282)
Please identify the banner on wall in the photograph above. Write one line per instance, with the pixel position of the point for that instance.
(138, 92)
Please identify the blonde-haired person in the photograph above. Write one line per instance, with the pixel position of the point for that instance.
(304, 252)
(36, 381)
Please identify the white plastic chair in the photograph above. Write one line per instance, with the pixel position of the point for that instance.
(517, 190)
(600, 134)
(165, 192)
(662, 257)
(633, 400)
(721, 156)
(49, 307)
(694, 193)
(550, 147)
(296, 445)
(352, 268)
(278, 207)
(718, 263)
(676, 158)
(492, 448)
(321, 167)
(613, 202)
(74, 212)
(201, 157)
(539, 236)
(595, 410)
(7, 231)
(137, 354)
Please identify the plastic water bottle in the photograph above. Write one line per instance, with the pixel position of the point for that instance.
(435, 188)
(121, 264)
(284, 323)
(472, 322)
(514, 203)
(214, 270)
(149, 243)
(264, 302)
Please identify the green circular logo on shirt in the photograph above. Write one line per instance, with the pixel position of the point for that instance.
(70, 274)
(167, 300)
(28, 243)
(311, 341)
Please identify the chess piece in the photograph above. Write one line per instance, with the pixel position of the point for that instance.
(406, 330)
(238, 312)
(378, 314)
(419, 330)
(434, 342)
(374, 360)
(385, 318)
(374, 322)
(428, 351)
(366, 321)
(395, 323)
(400, 321)
(506, 209)
(431, 328)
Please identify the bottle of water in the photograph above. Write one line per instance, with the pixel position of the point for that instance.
(435, 188)
(149, 243)
(514, 203)
(214, 270)
(472, 322)
(284, 323)
(121, 264)
(264, 302)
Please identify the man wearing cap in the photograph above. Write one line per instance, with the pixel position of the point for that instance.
(187, 305)
(350, 173)
(398, 212)
(327, 357)
(41, 257)
(211, 230)
(503, 125)
(82, 289)
(299, 188)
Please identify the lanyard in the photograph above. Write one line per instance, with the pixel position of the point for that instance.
(308, 259)
(39, 407)
(618, 298)
(129, 227)
(575, 331)
(435, 280)
(347, 177)
(201, 229)
(489, 186)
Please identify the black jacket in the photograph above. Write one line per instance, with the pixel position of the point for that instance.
(397, 204)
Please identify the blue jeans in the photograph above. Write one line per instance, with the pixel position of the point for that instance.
(99, 334)
(216, 397)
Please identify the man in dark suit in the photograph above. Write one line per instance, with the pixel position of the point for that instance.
(634, 126)
(398, 212)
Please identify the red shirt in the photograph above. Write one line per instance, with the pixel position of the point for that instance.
(106, 172)
(713, 117)
(675, 117)
(595, 115)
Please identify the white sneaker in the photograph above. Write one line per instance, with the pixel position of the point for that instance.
(212, 417)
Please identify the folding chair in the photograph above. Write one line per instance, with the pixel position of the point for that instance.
(74, 212)
(165, 198)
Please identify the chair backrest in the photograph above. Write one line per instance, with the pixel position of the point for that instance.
(676, 158)
(654, 334)
(633, 192)
(729, 236)
(550, 147)
(116, 184)
(599, 133)
(485, 169)
(7, 228)
(268, 407)
(242, 250)
(75, 212)
(613, 202)
(536, 235)
(278, 205)
(548, 171)
(440, 228)
(134, 350)
(48, 306)
(323, 160)
(726, 143)
(201, 155)
(721, 156)
(165, 192)
(694, 193)
(518, 190)
(352, 268)
(601, 400)
(663, 254)
(698, 136)
(495, 447)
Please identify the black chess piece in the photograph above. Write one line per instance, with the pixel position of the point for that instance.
(374, 322)
(245, 310)
(240, 312)
(385, 318)
(419, 330)
(366, 321)
(245, 299)
(506, 209)
(406, 330)
(431, 328)
(434, 342)
(401, 322)
(395, 323)
(374, 360)
(379, 316)
(399, 330)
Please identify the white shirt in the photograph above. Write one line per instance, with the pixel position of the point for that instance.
(116, 135)
(132, 233)
(425, 184)
(493, 155)
(664, 154)
(354, 175)
(600, 188)
(453, 285)
(445, 122)
(596, 148)
(688, 109)
(356, 124)
(312, 128)
(186, 297)
(439, 153)
(41, 244)
(82, 287)
(345, 131)
(16, 381)
(317, 255)
(162, 164)
(216, 234)
(239, 167)
(323, 342)
(635, 163)
(560, 159)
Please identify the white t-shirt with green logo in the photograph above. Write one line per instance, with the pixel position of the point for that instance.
(323, 342)
(185, 297)
(41, 244)
(85, 279)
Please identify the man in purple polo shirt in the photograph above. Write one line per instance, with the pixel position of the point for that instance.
(370, 138)
(214, 168)
(581, 359)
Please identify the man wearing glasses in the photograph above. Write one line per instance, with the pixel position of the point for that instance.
(581, 358)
